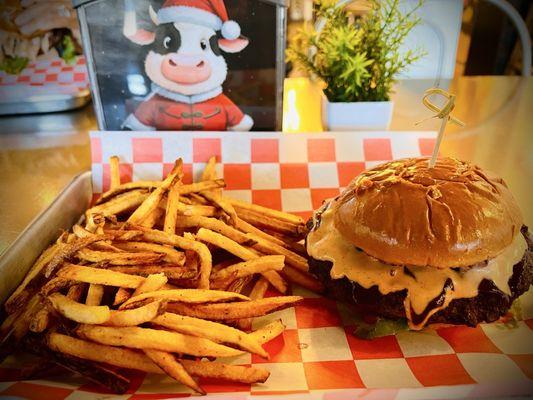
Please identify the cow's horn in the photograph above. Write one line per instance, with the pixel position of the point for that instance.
(153, 15)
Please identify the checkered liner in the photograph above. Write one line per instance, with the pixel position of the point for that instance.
(50, 72)
(317, 356)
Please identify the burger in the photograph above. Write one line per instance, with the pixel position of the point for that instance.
(429, 245)
(35, 29)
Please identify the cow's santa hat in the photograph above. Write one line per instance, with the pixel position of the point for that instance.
(210, 13)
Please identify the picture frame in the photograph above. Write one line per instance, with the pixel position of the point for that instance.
(117, 66)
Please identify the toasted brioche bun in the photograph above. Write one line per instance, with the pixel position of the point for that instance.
(405, 213)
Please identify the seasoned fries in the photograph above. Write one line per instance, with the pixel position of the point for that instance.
(133, 285)
(79, 312)
(135, 316)
(168, 363)
(146, 338)
(225, 311)
(210, 330)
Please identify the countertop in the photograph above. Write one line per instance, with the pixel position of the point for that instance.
(39, 155)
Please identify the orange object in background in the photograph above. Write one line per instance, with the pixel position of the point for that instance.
(301, 106)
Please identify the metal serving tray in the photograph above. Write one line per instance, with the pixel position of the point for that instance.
(64, 212)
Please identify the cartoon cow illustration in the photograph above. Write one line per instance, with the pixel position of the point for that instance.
(186, 67)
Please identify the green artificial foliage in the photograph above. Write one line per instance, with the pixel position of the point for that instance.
(357, 59)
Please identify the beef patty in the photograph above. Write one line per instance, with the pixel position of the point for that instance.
(488, 306)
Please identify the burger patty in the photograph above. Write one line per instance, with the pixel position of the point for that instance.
(488, 306)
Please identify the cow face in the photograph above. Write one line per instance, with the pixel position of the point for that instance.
(185, 58)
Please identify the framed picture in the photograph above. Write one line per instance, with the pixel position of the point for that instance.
(185, 65)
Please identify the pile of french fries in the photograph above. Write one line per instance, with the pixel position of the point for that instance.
(161, 277)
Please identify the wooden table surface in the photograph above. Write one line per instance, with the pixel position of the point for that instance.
(39, 155)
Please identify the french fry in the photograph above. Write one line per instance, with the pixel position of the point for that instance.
(126, 187)
(121, 295)
(202, 186)
(172, 256)
(75, 292)
(146, 338)
(152, 283)
(197, 210)
(132, 359)
(237, 310)
(275, 279)
(257, 292)
(169, 270)
(168, 363)
(190, 296)
(135, 316)
(262, 222)
(55, 285)
(117, 356)
(100, 276)
(304, 279)
(114, 172)
(95, 373)
(218, 370)
(268, 332)
(22, 293)
(210, 330)
(214, 225)
(81, 232)
(69, 250)
(268, 212)
(121, 258)
(245, 227)
(187, 244)
(171, 212)
(267, 247)
(94, 295)
(223, 204)
(242, 252)
(209, 172)
(40, 320)
(79, 312)
(238, 285)
(150, 205)
(121, 203)
(94, 223)
(250, 267)
(225, 243)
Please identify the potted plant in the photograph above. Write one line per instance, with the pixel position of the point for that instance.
(357, 59)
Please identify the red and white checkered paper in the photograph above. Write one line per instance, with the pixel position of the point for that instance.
(317, 356)
(50, 72)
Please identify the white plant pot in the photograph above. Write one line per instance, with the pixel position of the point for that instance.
(366, 115)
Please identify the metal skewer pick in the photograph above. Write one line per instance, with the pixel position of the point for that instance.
(441, 112)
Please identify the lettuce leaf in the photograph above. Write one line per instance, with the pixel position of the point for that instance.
(69, 50)
(14, 65)
(382, 327)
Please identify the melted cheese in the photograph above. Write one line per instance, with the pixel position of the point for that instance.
(423, 284)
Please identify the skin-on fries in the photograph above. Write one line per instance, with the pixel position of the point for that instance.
(132, 285)
(254, 266)
(191, 296)
(78, 312)
(135, 316)
(146, 338)
(225, 311)
(210, 330)
(168, 363)
(241, 252)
